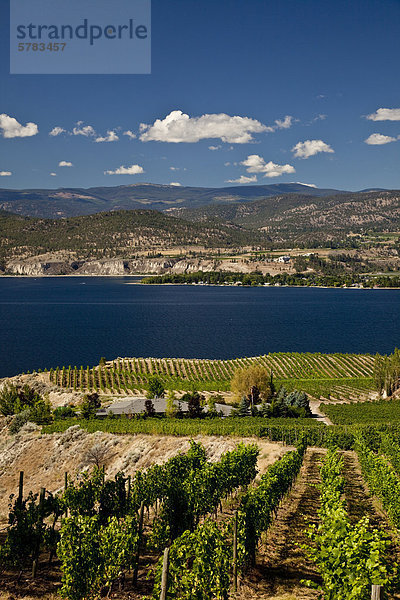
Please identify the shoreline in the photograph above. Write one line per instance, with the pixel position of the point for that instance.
(320, 287)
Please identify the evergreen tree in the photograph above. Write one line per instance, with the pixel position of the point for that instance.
(149, 408)
(243, 410)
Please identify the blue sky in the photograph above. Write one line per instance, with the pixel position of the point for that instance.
(300, 76)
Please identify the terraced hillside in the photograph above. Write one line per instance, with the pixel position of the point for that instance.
(335, 376)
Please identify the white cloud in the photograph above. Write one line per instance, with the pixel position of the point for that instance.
(377, 139)
(175, 184)
(57, 131)
(243, 179)
(178, 127)
(65, 163)
(214, 147)
(174, 168)
(385, 114)
(12, 129)
(53, 174)
(284, 123)
(256, 164)
(310, 148)
(320, 117)
(132, 170)
(110, 137)
(85, 130)
(130, 134)
(5, 173)
(227, 164)
(307, 184)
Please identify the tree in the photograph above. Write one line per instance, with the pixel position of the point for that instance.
(195, 402)
(40, 413)
(254, 398)
(211, 402)
(171, 408)
(90, 404)
(380, 372)
(15, 399)
(243, 410)
(9, 400)
(97, 455)
(149, 408)
(155, 387)
(63, 412)
(253, 376)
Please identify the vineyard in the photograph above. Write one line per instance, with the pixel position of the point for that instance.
(382, 411)
(347, 376)
(193, 529)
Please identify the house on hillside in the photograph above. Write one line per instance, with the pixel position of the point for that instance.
(137, 406)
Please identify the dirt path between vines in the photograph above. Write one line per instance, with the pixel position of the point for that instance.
(361, 503)
(281, 564)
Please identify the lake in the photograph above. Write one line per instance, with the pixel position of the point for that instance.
(49, 322)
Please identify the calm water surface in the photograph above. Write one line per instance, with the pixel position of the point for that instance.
(76, 320)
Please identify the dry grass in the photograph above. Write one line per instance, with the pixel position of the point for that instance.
(45, 458)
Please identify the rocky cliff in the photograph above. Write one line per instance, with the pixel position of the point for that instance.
(34, 267)
(117, 267)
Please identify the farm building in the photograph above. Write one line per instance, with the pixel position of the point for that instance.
(137, 406)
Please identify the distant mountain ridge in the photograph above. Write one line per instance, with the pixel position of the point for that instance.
(295, 216)
(71, 202)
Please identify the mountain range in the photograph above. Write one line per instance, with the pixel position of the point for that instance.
(72, 202)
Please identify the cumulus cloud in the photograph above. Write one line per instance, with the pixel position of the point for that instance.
(214, 147)
(110, 137)
(85, 130)
(10, 128)
(385, 114)
(132, 170)
(243, 179)
(5, 173)
(310, 148)
(57, 131)
(175, 184)
(130, 134)
(179, 127)
(284, 123)
(65, 163)
(256, 164)
(378, 139)
(53, 174)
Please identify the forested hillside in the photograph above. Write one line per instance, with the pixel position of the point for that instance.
(113, 233)
(294, 217)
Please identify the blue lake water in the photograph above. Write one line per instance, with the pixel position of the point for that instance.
(47, 322)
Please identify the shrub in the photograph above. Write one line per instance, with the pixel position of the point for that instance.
(63, 412)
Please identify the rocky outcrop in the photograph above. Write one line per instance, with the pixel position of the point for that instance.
(104, 267)
(115, 267)
(35, 269)
(120, 267)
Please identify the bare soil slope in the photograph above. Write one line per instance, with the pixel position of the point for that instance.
(45, 458)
